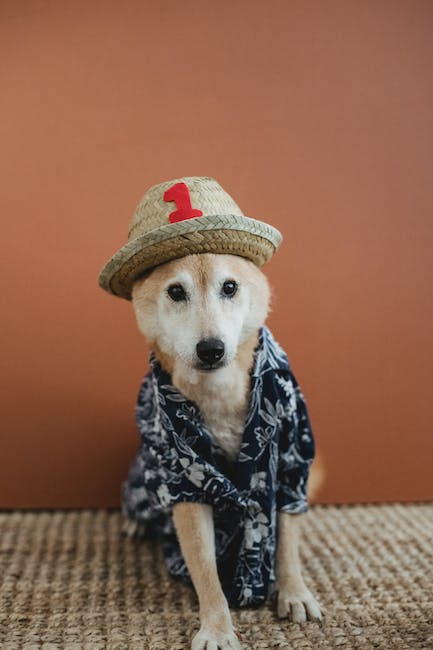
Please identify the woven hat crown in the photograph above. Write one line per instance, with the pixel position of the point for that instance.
(206, 195)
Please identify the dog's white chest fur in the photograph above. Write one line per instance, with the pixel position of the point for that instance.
(222, 398)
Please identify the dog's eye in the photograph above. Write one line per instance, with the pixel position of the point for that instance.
(176, 292)
(229, 288)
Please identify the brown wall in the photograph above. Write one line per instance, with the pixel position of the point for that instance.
(315, 116)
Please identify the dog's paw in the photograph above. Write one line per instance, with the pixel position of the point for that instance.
(129, 528)
(298, 606)
(207, 639)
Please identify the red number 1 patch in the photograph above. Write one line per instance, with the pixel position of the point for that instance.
(179, 194)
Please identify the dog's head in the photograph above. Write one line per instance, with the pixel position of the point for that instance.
(197, 310)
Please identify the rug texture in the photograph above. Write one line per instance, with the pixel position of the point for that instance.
(70, 580)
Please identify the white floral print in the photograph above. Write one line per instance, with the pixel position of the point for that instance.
(258, 481)
(256, 530)
(163, 494)
(194, 471)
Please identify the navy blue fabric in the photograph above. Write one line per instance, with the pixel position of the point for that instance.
(178, 460)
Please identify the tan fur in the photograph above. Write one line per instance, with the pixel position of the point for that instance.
(224, 410)
(222, 397)
(195, 530)
(317, 477)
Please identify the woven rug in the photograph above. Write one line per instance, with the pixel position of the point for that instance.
(70, 580)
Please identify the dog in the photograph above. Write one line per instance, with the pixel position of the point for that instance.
(201, 315)
(226, 442)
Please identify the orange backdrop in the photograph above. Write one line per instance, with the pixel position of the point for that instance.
(315, 116)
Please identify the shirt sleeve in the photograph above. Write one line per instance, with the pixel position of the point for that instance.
(167, 471)
(184, 475)
(296, 449)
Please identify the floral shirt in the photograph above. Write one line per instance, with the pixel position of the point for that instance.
(179, 460)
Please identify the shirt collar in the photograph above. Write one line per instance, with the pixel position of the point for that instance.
(269, 355)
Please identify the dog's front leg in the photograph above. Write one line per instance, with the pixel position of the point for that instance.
(195, 531)
(295, 600)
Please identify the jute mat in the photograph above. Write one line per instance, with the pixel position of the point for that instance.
(70, 580)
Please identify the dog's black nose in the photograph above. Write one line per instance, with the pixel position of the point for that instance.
(210, 350)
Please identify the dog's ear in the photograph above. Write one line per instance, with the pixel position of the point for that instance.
(143, 296)
(259, 295)
(262, 288)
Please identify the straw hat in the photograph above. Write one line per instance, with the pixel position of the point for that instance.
(183, 216)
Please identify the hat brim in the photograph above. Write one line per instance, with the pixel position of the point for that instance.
(230, 234)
